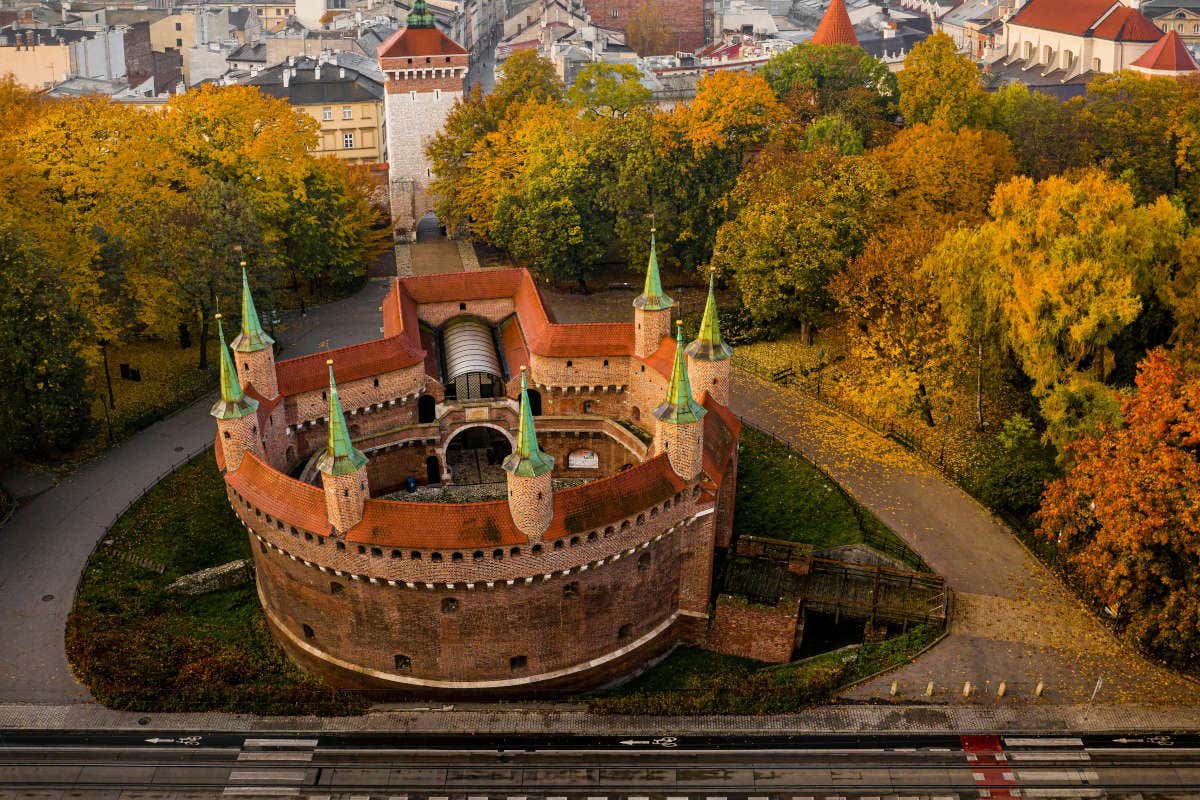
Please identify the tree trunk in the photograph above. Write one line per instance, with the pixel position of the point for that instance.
(979, 386)
(583, 287)
(924, 404)
(806, 336)
(203, 340)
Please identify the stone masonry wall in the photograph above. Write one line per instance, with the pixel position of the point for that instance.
(258, 370)
(344, 496)
(416, 109)
(531, 503)
(236, 437)
(683, 446)
(743, 629)
(712, 377)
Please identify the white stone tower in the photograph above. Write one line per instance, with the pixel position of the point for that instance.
(424, 71)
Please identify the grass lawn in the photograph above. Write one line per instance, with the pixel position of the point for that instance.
(782, 495)
(694, 681)
(137, 647)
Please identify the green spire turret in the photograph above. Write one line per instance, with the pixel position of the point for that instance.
(653, 298)
(680, 408)
(340, 457)
(253, 338)
(234, 404)
(529, 461)
(420, 16)
(708, 345)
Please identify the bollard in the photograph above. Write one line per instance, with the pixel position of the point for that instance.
(967, 689)
(1001, 689)
(1041, 687)
(894, 687)
(929, 689)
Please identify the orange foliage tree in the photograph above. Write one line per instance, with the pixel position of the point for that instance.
(1126, 516)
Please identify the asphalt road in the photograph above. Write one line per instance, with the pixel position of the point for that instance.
(663, 767)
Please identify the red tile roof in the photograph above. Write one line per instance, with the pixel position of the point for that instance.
(411, 42)
(309, 373)
(835, 27)
(1103, 19)
(721, 429)
(1127, 25)
(295, 502)
(662, 360)
(1169, 55)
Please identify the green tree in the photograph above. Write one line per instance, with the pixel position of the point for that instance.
(1048, 137)
(940, 84)
(43, 400)
(799, 220)
(609, 90)
(834, 130)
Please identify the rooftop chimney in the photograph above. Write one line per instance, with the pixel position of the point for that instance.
(287, 77)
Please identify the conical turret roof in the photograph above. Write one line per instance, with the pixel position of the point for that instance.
(653, 298)
(233, 404)
(680, 408)
(708, 345)
(252, 338)
(835, 27)
(340, 457)
(529, 461)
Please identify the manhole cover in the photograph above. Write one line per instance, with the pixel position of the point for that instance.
(144, 721)
(178, 449)
(47, 597)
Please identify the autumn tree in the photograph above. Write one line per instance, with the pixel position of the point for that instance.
(938, 83)
(834, 130)
(1126, 516)
(895, 325)
(1048, 136)
(799, 219)
(646, 33)
(43, 399)
(821, 80)
(733, 111)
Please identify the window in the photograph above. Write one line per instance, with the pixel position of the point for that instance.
(571, 590)
(347, 141)
(308, 632)
(517, 663)
(625, 631)
(336, 588)
(402, 662)
(347, 112)
(178, 26)
(449, 605)
(179, 42)
(558, 544)
(644, 562)
(614, 13)
(327, 113)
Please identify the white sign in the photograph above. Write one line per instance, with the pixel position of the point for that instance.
(583, 459)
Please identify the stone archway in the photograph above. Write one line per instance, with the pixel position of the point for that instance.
(474, 453)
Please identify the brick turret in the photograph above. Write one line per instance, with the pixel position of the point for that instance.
(679, 431)
(530, 470)
(651, 310)
(343, 469)
(253, 349)
(236, 414)
(709, 359)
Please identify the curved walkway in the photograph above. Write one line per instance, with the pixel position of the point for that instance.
(1014, 621)
(45, 546)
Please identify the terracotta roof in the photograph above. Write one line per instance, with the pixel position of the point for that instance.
(662, 359)
(409, 42)
(1127, 25)
(1169, 55)
(721, 429)
(515, 351)
(835, 27)
(376, 357)
(599, 503)
(295, 502)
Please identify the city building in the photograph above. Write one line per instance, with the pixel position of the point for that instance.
(592, 468)
(343, 92)
(1181, 16)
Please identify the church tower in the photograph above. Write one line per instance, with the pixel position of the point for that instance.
(236, 414)
(530, 485)
(709, 359)
(343, 469)
(679, 431)
(424, 71)
(253, 349)
(651, 309)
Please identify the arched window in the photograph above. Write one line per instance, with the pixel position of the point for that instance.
(644, 562)
(402, 662)
(449, 605)
(336, 588)
(426, 408)
(308, 631)
(535, 402)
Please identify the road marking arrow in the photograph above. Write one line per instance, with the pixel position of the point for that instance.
(630, 742)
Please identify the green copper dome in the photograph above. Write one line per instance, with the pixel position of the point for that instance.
(252, 338)
(708, 345)
(680, 408)
(528, 461)
(420, 16)
(234, 404)
(653, 298)
(340, 457)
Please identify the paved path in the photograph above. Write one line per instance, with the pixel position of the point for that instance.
(44, 547)
(1014, 621)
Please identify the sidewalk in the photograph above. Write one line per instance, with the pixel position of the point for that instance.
(865, 719)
